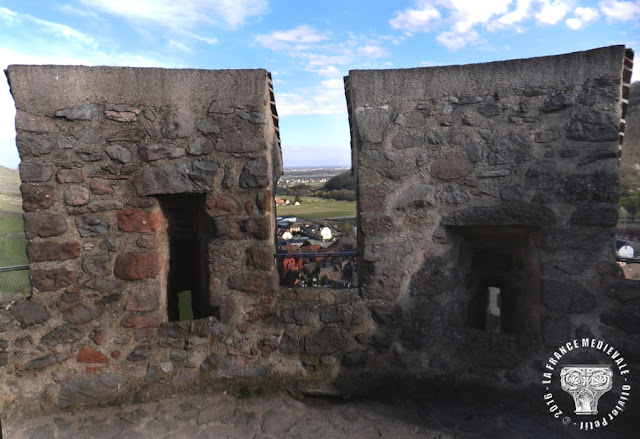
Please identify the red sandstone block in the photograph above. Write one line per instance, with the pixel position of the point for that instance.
(52, 280)
(52, 251)
(88, 354)
(140, 322)
(221, 205)
(131, 220)
(135, 266)
(69, 176)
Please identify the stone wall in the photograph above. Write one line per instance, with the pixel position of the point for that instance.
(493, 175)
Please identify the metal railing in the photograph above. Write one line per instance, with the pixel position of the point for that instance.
(15, 279)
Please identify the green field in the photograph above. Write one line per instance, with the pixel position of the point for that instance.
(316, 208)
(12, 239)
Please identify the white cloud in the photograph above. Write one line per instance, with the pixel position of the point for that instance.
(582, 17)
(514, 17)
(553, 11)
(456, 40)
(620, 10)
(373, 51)
(424, 19)
(328, 71)
(298, 37)
(47, 27)
(185, 14)
(325, 98)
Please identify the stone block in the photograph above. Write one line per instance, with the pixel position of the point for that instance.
(595, 216)
(513, 148)
(63, 334)
(158, 151)
(132, 135)
(221, 205)
(136, 266)
(119, 154)
(92, 225)
(194, 177)
(34, 147)
(88, 111)
(376, 225)
(35, 124)
(556, 330)
(81, 313)
(255, 173)
(76, 195)
(240, 143)
(260, 258)
(263, 284)
(595, 126)
(200, 146)
(178, 123)
(29, 313)
(52, 280)
(139, 353)
(46, 361)
(143, 298)
(35, 172)
(144, 321)
(36, 197)
(449, 168)
(88, 354)
(101, 188)
(52, 251)
(89, 389)
(132, 220)
(371, 122)
(69, 176)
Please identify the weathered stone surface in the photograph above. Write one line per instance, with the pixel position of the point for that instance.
(147, 321)
(101, 284)
(34, 147)
(491, 109)
(201, 146)
(210, 363)
(128, 135)
(135, 266)
(222, 106)
(595, 187)
(29, 313)
(264, 284)
(101, 188)
(35, 124)
(326, 341)
(497, 173)
(556, 330)
(297, 316)
(63, 334)
(371, 122)
(567, 297)
(208, 126)
(178, 123)
(514, 148)
(595, 126)
(239, 142)
(92, 225)
(35, 172)
(139, 353)
(46, 361)
(43, 224)
(627, 319)
(88, 354)
(70, 176)
(81, 112)
(122, 113)
(255, 174)
(89, 136)
(132, 220)
(404, 140)
(76, 195)
(195, 177)
(81, 313)
(144, 298)
(36, 197)
(260, 258)
(559, 101)
(119, 154)
(89, 389)
(104, 205)
(221, 205)
(52, 251)
(448, 168)
(256, 117)
(547, 136)
(418, 196)
(52, 280)
(88, 156)
(595, 216)
(508, 214)
(157, 151)
(377, 225)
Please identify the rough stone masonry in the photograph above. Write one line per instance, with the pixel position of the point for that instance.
(139, 183)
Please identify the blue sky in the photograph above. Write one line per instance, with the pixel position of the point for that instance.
(307, 45)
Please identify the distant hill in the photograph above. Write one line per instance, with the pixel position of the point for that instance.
(10, 196)
(344, 181)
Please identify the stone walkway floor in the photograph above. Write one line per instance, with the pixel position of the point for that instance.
(280, 416)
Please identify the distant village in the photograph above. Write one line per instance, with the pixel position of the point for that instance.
(316, 253)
